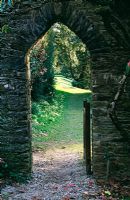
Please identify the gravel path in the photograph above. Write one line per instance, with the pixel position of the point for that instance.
(58, 174)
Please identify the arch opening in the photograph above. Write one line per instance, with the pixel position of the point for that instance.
(60, 75)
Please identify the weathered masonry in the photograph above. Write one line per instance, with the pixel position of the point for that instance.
(22, 26)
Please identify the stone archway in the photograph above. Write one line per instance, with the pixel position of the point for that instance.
(27, 23)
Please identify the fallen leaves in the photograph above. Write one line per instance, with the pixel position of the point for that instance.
(56, 178)
(90, 183)
(71, 185)
(87, 195)
(114, 189)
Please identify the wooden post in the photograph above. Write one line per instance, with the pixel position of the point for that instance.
(87, 136)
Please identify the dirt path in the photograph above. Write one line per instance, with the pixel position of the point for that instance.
(58, 174)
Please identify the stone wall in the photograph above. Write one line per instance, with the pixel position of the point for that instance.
(26, 23)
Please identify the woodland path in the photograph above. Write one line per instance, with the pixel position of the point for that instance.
(59, 172)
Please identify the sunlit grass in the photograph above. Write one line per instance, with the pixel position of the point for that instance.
(60, 122)
(72, 90)
(68, 147)
(75, 147)
(64, 84)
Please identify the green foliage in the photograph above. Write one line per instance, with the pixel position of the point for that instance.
(5, 29)
(79, 84)
(41, 63)
(60, 51)
(45, 114)
(72, 58)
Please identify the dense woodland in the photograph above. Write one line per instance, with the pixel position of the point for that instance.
(59, 52)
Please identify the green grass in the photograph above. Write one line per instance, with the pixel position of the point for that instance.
(70, 128)
(60, 121)
(65, 85)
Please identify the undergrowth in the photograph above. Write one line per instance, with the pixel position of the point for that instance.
(45, 114)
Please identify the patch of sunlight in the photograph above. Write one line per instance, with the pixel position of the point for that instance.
(65, 85)
(72, 90)
(75, 147)
(66, 148)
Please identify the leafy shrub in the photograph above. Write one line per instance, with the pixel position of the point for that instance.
(45, 113)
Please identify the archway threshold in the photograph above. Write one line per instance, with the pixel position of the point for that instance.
(57, 174)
